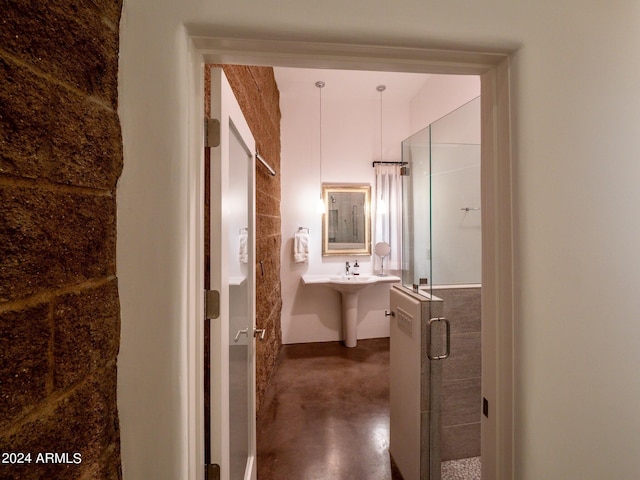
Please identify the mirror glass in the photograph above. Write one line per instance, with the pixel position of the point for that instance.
(382, 249)
(346, 225)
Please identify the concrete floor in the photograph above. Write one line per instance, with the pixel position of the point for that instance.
(326, 414)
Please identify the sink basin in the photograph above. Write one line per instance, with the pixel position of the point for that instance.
(349, 288)
(354, 279)
(364, 280)
(351, 283)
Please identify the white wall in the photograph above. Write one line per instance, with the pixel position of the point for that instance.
(576, 112)
(350, 142)
(440, 95)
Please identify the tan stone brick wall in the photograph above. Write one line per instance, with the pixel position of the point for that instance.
(257, 93)
(60, 159)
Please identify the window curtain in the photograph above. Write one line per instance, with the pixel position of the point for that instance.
(388, 215)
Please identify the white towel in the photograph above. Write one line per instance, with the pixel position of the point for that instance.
(301, 247)
(243, 251)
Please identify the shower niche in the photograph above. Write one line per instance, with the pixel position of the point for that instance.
(435, 344)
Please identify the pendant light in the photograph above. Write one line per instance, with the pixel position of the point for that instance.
(381, 206)
(321, 207)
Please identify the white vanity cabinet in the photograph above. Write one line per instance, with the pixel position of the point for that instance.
(413, 445)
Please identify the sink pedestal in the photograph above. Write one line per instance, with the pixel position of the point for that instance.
(349, 288)
(350, 318)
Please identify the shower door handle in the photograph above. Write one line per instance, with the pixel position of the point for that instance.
(447, 338)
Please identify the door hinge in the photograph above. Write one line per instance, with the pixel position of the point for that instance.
(211, 304)
(212, 472)
(211, 132)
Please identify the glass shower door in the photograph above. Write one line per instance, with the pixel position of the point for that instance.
(456, 261)
(455, 197)
(441, 248)
(416, 222)
(417, 275)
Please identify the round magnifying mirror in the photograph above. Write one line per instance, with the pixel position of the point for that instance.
(382, 249)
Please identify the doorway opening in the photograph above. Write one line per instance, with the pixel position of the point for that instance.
(496, 198)
(362, 125)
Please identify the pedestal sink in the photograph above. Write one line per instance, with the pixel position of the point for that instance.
(349, 288)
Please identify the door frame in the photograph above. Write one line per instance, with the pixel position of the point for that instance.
(497, 211)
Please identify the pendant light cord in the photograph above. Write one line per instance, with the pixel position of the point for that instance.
(320, 84)
(321, 208)
(381, 88)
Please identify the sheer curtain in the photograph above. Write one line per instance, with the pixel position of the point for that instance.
(388, 215)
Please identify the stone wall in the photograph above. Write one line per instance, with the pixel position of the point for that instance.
(257, 93)
(60, 159)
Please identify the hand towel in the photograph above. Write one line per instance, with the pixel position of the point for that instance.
(243, 251)
(301, 247)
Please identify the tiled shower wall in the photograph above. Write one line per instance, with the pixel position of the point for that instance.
(461, 374)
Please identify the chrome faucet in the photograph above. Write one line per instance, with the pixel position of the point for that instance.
(347, 267)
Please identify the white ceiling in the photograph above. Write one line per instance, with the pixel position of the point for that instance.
(349, 83)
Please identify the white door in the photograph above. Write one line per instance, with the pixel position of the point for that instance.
(232, 352)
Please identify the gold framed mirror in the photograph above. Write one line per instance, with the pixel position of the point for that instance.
(346, 223)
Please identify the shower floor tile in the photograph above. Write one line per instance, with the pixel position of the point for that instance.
(463, 469)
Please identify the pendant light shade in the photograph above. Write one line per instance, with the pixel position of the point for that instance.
(321, 208)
